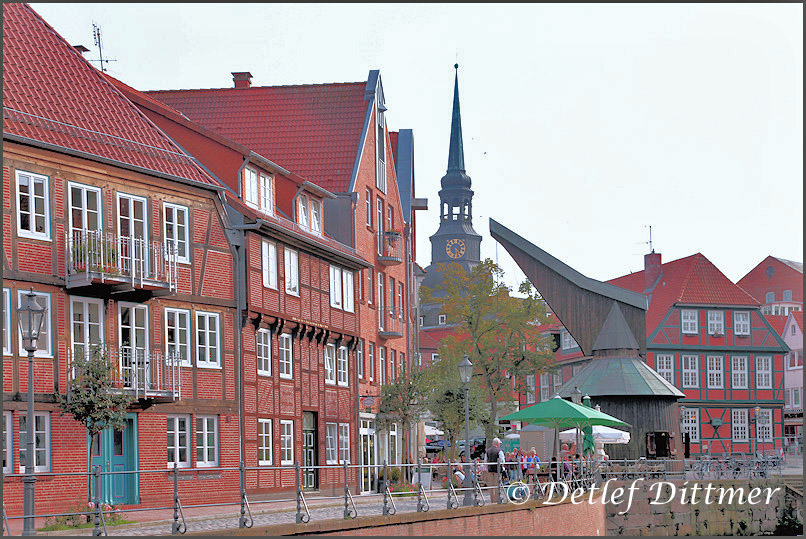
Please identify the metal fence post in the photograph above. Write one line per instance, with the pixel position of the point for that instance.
(175, 526)
(242, 520)
(346, 496)
(385, 490)
(96, 473)
(299, 493)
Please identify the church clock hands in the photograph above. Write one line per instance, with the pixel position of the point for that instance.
(455, 248)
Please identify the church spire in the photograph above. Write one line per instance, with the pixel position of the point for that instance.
(456, 154)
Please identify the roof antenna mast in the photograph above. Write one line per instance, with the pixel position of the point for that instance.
(96, 34)
(651, 250)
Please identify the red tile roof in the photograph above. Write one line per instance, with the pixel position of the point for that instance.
(691, 280)
(51, 94)
(774, 275)
(313, 129)
(777, 322)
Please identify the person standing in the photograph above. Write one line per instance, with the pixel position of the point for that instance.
(495, 460)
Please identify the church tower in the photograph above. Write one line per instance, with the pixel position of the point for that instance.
(455, 240)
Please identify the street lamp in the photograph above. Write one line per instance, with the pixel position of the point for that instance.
(576, 396)
(30, 316)
(756, 410)
(465, 373)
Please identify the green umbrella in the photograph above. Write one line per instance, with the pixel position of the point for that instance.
(562, 414)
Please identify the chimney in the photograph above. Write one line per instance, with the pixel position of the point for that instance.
(652, 269)
(242, 79)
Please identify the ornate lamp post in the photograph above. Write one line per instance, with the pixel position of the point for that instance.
(30, 315)
(682, 430)
(465, 373)
(576, 398)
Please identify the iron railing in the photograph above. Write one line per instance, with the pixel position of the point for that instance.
(508, 485)
(141, 373)
(106, 257)
(392, 323)
(390, 247)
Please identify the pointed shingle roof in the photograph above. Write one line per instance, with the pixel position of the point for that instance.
(52, 96)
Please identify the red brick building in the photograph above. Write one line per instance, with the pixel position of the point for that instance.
(121, 235)
(709, 338)
(336, 137)
(777, 284)
(300, 327)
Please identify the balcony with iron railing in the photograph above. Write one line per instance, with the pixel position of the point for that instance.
(143, 374)
(390, 248)
(390, 323)
(124, 263)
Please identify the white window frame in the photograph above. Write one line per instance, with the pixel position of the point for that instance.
(203, 350)
(716, 372)
(689, 321)
(344, 443)
(381, 301)
(442, 319)
(434, 358)
(739, 425)
(369, 207)
(796, 397)
(265, 441)
(176, 435)
(764, 428)
(348, 290)
(7, 351)
(764, 376)
(291, 262)
(568, 341)
(206, 425)
(31, 233)
(530, 389)
(263, 351)
(267, 193)
(664, 365)
(738, 376)
(342, 366)
(23, 445)
(47, 325)
(303, 216)
(85, 324)
(393, 369)
(331, 443)
(251, 188)
(380, 152)
(84, 210)
(172, 227)
(316, 217)
(330, 364)
(557, 379)
(371, 287)
(170, 348)
(286, 442)
(741, 327)
(716, 323)
(371, 357)
(269, 263)
(545, 390)
(8, 442)
(691, 424)
(382, 365)
(335, 287)
(286, 356)
(359, 358)
(691, 375)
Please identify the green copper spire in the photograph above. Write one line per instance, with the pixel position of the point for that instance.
(456, 155)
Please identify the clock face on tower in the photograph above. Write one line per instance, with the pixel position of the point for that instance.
(455, 248)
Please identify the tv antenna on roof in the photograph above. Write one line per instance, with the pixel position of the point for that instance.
(96, 34)
(651, 250)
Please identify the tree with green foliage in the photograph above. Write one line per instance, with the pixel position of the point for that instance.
(496, 330)
(92, 397)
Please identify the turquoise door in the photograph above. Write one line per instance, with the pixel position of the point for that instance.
(114, 451)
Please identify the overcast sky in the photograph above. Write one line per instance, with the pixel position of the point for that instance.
(583, 124)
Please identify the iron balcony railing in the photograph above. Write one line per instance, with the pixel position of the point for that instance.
(95, 256)
(391, 325)
(145, 374)
(390, 248)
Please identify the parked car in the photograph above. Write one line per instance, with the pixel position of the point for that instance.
(477, 449)
(436, 446)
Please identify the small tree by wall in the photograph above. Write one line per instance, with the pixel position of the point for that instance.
(92, 397)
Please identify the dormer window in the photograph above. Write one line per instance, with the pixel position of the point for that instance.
(258, 190)
(309, 213)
